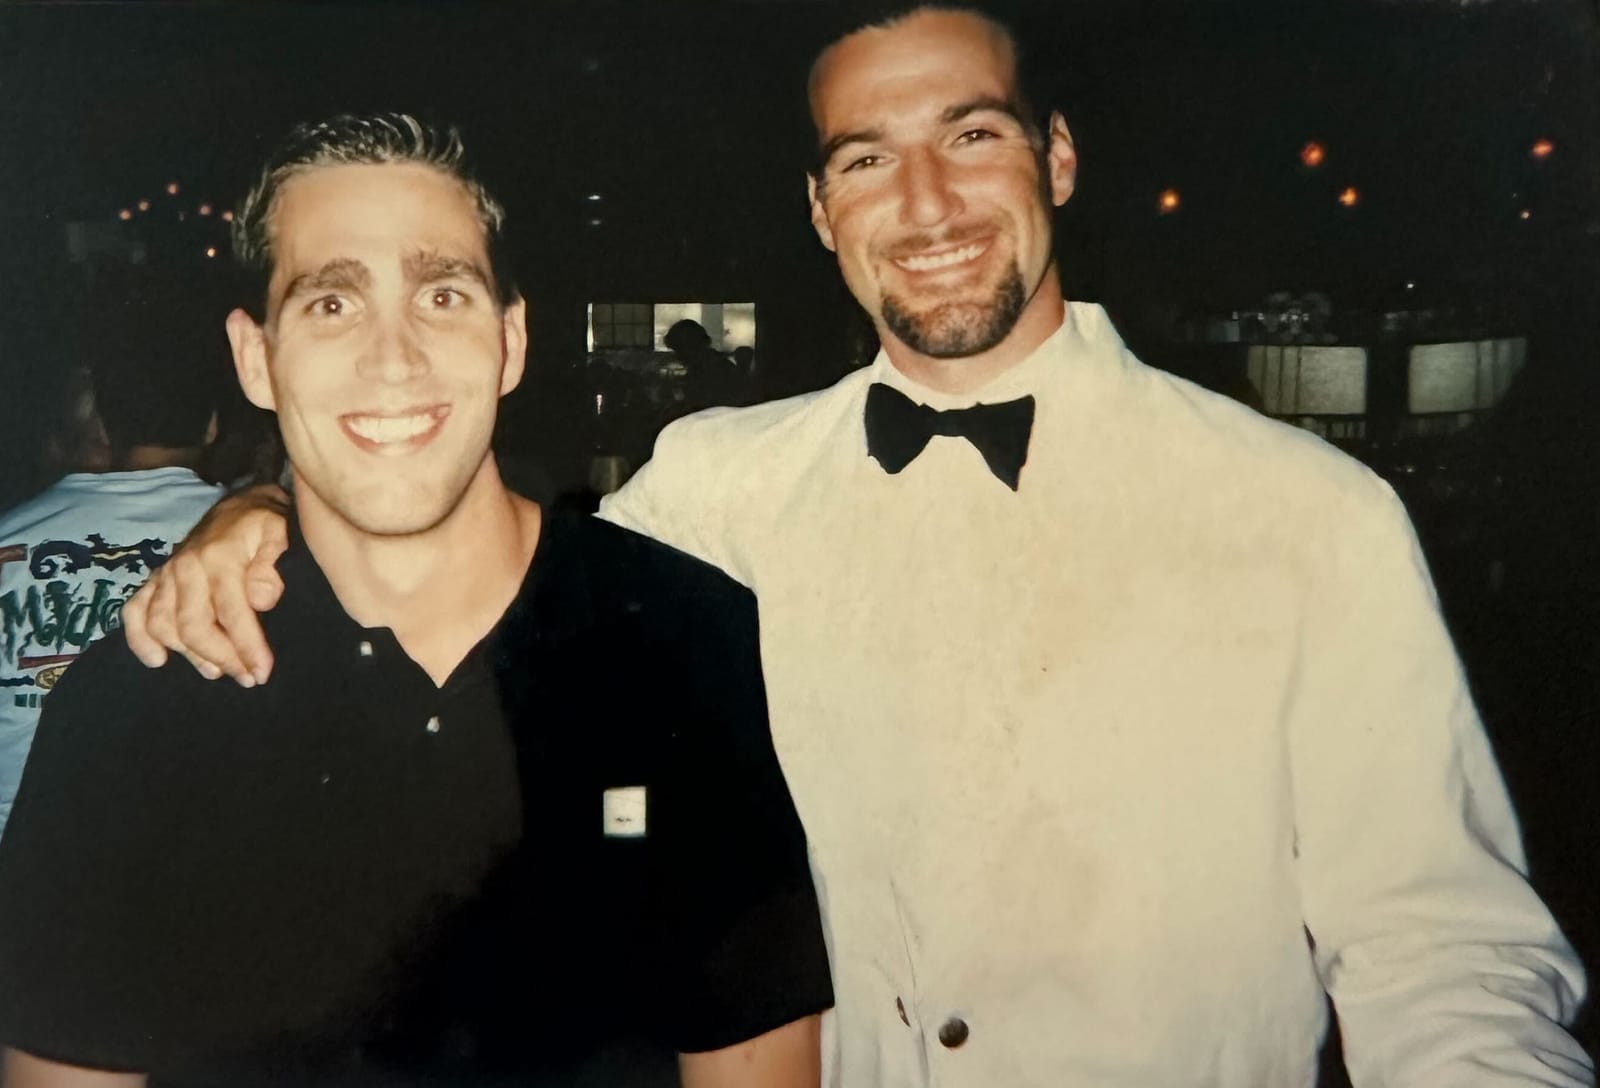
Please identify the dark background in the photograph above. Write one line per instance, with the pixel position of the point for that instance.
(687, 120)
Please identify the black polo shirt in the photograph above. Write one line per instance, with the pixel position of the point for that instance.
(584, 833)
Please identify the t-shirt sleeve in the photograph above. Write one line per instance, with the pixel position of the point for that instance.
(75, 965)
(744, 945)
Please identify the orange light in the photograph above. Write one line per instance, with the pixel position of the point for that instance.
(1349, 197)
(205, 209)
(1168, 201)
(124, 215)
(172, 188)
(211, 251)
(227, 217)
(1542, 148)
(1313, 153)
(144, 205)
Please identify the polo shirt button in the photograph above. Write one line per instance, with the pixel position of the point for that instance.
(364, 648)
(953, 1032)
(900, 1007)
(433, 724)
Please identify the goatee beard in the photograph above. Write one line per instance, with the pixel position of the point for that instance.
(954, 330)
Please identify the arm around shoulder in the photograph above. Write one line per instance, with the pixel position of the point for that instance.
(203, 602)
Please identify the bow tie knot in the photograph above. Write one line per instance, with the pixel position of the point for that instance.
(898, 429)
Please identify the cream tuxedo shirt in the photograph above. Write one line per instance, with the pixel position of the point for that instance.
(1108, 778)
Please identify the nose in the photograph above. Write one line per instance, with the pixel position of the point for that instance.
(396, 354)
(927, 195)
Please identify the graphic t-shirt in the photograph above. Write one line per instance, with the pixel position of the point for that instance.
(69, 558)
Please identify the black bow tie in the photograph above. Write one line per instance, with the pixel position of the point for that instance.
(898, 429)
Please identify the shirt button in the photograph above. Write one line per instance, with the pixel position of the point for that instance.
(900, 1007)
(433, 724)
(364, 648)
(953, 1032)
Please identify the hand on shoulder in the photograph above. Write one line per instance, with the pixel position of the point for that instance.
(203, 602)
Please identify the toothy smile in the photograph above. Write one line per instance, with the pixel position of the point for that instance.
(933, 262)
(392, 430)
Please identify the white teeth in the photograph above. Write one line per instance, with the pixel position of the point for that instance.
(384, 429)
(943, 260)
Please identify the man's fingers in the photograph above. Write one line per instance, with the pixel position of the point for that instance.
(149, 651)
(236, 605)
(262, 583)
(202, 666)
(199, 638)
(161, 617)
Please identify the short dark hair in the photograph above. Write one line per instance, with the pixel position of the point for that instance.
(356, 140)
(686, 335)
(1035, 101)
(157, 358)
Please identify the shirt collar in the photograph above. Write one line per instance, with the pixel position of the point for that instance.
(552, 604)
(1027, 377)
(307, 593)
(555, 602)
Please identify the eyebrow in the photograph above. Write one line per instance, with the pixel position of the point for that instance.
(987, 103)
(426, 266)
(339, 273)
(844, 139)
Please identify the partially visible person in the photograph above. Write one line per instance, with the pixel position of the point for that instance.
(745, 375)
(712, 377)
(514, 780)
(72, 555)
(76, 439)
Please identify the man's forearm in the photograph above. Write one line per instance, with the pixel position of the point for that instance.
(23, 1070)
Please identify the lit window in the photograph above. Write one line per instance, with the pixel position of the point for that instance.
(621, 325)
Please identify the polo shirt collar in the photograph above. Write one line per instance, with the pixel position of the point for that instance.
(554, 602)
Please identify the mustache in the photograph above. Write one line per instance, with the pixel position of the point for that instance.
(912, 244)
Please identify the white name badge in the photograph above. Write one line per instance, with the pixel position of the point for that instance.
(623, 812)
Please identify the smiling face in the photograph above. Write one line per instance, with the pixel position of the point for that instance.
(385, 352)
(936, 194)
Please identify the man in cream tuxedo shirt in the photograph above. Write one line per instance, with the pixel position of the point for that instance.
(1122, 721)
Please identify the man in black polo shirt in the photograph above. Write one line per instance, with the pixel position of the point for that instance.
(514, 778)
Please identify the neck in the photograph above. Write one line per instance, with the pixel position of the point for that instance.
(440, 590)
(136, 458)
(1041, 316)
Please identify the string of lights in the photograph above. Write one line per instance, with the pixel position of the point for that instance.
(1313, 155)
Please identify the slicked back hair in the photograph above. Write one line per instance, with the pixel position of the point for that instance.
(365, 140)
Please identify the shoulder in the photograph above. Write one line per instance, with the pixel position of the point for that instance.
(625, 566)
(714, 476)
(41, 508)
(725, 432)
(108, 690)
(1205, 436)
